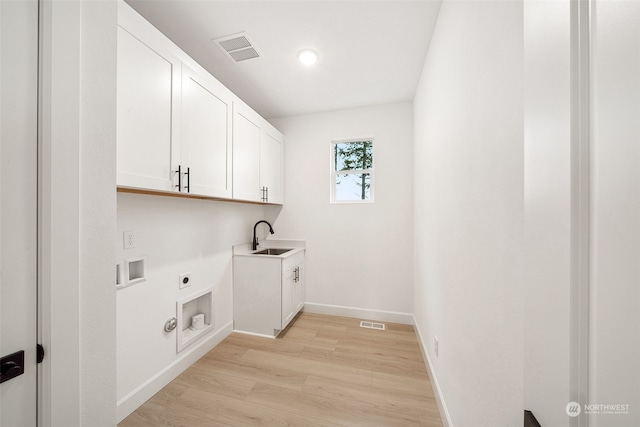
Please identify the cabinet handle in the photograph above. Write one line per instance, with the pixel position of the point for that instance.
(296, 275)
(188, 174)
(266, 199)
(179, 172)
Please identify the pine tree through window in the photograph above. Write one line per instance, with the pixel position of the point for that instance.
(352, 171)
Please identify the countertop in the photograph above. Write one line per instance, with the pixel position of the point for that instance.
(244, 249)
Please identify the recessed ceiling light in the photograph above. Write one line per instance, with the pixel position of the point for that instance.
(308, 56)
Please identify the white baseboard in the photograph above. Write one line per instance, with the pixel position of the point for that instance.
(137, 397)
(359, 313)
(442, 407)
(254, 334)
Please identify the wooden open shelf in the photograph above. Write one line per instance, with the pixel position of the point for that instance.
(133, 190)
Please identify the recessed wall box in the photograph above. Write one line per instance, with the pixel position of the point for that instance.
(198, 303)
(135, 271)
(120, 274)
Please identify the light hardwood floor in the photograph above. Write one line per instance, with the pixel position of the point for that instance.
(321, 371)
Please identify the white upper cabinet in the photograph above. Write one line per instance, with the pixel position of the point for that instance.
(271, 165)
(180, 129)
(206, 135)
(246, 154)
(148, 128)
(257, 158)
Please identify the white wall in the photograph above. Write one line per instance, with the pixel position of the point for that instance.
(468, 215)
(358, 255)
(77, 208)
(97, 212)
(615, 293)
(177, 236)
(547, 207)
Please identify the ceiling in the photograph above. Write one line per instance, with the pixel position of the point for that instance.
(370, 52)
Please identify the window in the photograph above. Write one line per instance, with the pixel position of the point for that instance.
(352, 171)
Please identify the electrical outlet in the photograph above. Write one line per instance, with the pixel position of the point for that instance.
(185, 280)
(129, 239)
(435, 345)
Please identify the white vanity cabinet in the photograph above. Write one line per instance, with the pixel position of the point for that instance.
(268, 291)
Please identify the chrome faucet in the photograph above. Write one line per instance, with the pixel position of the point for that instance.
(254, 246)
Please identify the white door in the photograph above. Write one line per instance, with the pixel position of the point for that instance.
(18, 208)
(206, 134)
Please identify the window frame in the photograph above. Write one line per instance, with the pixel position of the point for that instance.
(333, 173)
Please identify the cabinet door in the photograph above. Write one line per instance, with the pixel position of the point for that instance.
(246, 154)
(288, 289)
(206, 135)
(271, 146)
(147, 129)
(298, 290)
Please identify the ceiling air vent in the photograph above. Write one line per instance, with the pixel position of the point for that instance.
(237, 47)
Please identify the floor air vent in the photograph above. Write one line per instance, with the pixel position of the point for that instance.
(372, 325)
(237, 47)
